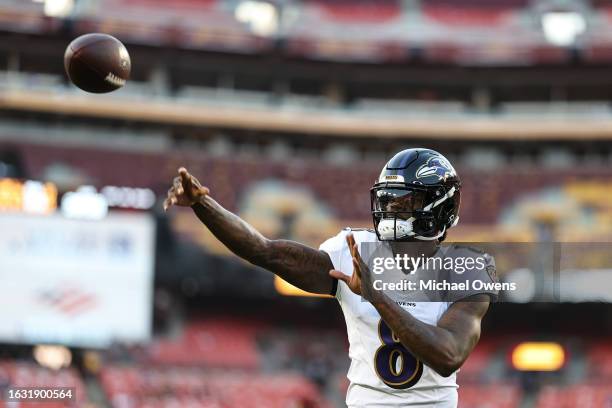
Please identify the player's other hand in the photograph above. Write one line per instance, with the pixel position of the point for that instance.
(354, 282)
(186, 190)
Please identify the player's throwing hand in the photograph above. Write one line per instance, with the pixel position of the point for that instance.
(186, 190)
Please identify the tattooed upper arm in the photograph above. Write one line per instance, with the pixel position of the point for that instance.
(298, 264)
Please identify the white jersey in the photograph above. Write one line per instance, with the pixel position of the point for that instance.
(376, 378)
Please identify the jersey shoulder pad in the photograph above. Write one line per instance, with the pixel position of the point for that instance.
(334, 243)
(467, 248)
(457, 250)
(338, 242)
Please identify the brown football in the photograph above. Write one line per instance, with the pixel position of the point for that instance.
(97, 63)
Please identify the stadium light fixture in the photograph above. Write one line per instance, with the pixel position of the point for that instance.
(538, 356)
(129, 197)
(261, 17)
(27, 196)
(52, 356)
(58, 8)
(561, 28)
(85, 203)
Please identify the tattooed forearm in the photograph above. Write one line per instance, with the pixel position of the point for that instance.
(300, 265)
(444, 347)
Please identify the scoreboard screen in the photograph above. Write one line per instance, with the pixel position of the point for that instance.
(76, 282)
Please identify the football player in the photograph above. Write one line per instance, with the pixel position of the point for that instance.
(402, 353)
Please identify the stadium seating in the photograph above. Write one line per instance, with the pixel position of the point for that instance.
(179, 4)
(186, 23)
(601, 3)
(471, 13)
(213, 343)
(36, 404)
(345, 191)
(466, 16)
(139, 387)
(582, 395)
(26, 17)
(474, 368)
(378, 30)
(28, 374)
(599, 360)
(378, 11)
(490, 396)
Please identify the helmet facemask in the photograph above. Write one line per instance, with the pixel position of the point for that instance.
(406, 213)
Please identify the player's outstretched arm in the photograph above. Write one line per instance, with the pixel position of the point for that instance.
(443, 347)
(300, 265)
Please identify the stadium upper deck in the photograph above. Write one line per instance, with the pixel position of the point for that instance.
(469, 32)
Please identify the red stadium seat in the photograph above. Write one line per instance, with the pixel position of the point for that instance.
(175, 4)
(474, 367)
(581, 395)
(345, 191)
(128, 387)
(472, 12)
(599, 360)
(467, 16)
(601, 3)
(489, 396)
(215, 343)
(26, 374)
(359, 11)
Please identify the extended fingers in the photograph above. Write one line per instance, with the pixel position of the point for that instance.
(350, 240)
(170, 199)
(178, 185)
(191, 185)
(357, 267)
(185, 178)
(356, 254)
(173, 191)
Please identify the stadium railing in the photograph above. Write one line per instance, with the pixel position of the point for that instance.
(31, 92)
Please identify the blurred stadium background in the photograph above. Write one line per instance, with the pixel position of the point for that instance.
(287, 109)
